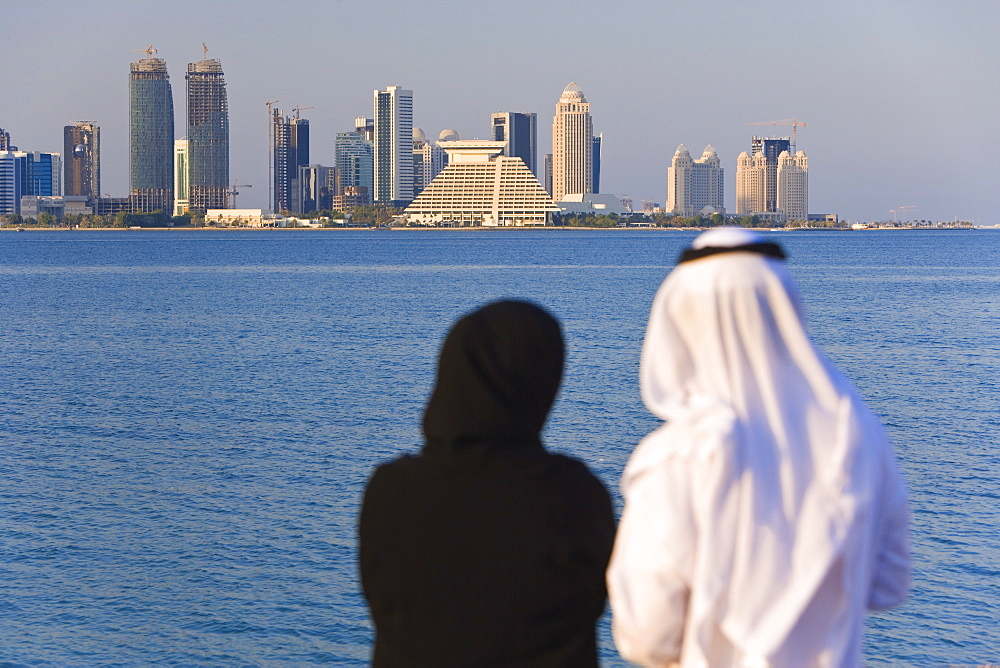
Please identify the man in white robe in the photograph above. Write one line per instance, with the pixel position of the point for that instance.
(767, 514)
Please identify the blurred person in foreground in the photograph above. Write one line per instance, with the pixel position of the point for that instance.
(485, 549)
(767, 514)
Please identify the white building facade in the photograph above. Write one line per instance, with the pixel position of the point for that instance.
(695, 186)
(793, 186)
(572, 145)
(393, 145)
(480, 187)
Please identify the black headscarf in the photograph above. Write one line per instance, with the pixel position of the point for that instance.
(498, 375)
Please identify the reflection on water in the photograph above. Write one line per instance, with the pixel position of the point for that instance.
(189, 418)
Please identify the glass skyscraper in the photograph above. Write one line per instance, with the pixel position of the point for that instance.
(151, 135)
(82, 154)
(208, 136)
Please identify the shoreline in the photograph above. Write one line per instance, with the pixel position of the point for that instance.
(550, 228)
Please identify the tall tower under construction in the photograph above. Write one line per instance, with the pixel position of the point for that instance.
(151, 135)
(82, 159)
(208, 136)
(291, 151)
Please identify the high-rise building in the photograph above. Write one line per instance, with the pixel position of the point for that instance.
(28, 174)
(82, 151)
(5, 141)
(520, 131)
(572, 145)
(428, 160)
(365, 127)
(547, 180)
(393, 146)
(596, 159)
(355, 166)
(151, 135)
(208, 136)
(793, 185)
(182, 176)
(757, 175)
(11, 166)
(316, 188)
(291, 151)
(694, 185)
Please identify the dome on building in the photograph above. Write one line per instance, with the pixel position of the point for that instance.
(572, 93)
(419, 134)
(448, 135)
(709, 152)
(682, 150)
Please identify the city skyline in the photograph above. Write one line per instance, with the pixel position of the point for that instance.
(898, 97)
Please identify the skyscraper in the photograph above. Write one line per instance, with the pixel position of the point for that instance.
(572, 145)
(694, 185)
(520, 131)
(770, 148)
(5, 141)
(82, 152)
(151, 135)
(355, 165)
(291, 151)
(596, 160)
(393, 146)
(428, 160)
(208, 136)
(793, 185)
(182, 176)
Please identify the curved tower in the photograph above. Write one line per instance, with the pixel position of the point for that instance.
(151, 135)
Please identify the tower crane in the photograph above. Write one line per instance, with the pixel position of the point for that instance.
(795, 123)
(149, 51)
(234, 192)
(298, 109)
(270, 153)
(900, 209)
(204, 51)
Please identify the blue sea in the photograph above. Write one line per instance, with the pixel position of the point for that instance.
(188, 419)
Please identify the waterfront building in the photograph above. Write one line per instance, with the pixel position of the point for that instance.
(353, 155)
(695, 186)
(82, 152)
(572, 144)
(291, 151)
(592, 203)
(56, 205)
(315, 188)
(760, 191)
(596, 160)
(151, 135)
(479, 186)
(393, 145)
(182, 176)
(428, 160)
(11, 166)
(208, 136)
(793, 186)
(520, 131)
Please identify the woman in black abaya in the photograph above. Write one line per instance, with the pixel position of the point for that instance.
(485, 549)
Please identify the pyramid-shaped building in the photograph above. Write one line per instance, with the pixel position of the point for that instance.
(480, 187)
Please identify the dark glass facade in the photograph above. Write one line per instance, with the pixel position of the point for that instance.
(291, 151)
(520, 131)
(151, 136)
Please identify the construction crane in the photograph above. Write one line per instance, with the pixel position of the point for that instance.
(234, 192)
(270, 153)
(149, 51)
(796, 124)
(298, 109)
(204, 51)
(900, 209)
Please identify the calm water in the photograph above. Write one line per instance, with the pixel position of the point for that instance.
(188, 419)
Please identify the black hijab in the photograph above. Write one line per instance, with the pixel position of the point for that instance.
(498, 374)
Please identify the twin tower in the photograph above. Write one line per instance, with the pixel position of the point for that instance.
(202, 175)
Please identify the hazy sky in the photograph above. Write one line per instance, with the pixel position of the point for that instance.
(901, 98)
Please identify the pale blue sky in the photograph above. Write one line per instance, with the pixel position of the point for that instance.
(901, 98)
